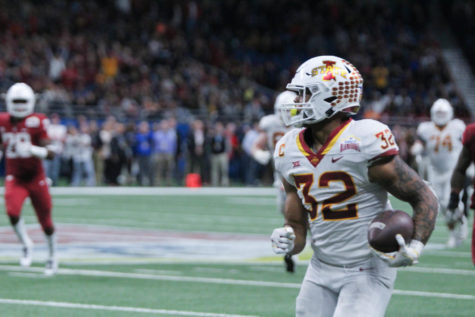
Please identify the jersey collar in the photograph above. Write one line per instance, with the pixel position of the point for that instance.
(315, 158)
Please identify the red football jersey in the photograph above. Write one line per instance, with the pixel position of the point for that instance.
(468, 139)
(29, 129)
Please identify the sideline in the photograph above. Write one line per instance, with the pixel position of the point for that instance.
(162, 191)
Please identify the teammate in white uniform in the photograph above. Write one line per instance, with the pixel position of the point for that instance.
(272, 128)
(441, 141)
(337, 173)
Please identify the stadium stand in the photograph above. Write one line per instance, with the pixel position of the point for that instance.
(226, 60)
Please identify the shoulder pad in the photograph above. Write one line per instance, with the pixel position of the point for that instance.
(269, 121)
(459, 124)
(377, 139)
(32, 122)
(288, 137)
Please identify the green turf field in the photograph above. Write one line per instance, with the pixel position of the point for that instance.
(175, 254)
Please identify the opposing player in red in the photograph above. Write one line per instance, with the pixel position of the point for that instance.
(457, 182)
(25, 144)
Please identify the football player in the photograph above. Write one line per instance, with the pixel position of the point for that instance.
(25, 144)
(466, 157)
(337, 173)
(272, 129)
(441, 141)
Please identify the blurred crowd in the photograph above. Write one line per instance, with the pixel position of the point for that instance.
(161, 153)
(139, 59)
(147, 76)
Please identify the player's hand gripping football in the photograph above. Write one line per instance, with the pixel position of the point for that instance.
(408, 254)
(282, 240)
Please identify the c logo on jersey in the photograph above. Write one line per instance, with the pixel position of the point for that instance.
(281, 149)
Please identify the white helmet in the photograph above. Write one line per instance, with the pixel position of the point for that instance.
(332, 84)
(285, 97)
(20, 100)
(441, 112)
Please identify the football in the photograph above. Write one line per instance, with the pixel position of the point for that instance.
(384, 227)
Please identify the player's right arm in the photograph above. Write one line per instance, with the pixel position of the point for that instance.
(296, 216)
(291, 238)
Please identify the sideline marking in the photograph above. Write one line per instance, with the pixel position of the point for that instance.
(115, 308)
(212, 280)
(161, 191)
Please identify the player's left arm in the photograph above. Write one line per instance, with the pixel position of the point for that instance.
(394, 175)
(46, 150)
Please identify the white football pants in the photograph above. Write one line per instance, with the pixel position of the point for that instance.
(362, 290)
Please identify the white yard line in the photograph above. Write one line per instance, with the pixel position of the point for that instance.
(450, 254)
(418, 269)
(115, 308)
(433, 294)
(212, 280)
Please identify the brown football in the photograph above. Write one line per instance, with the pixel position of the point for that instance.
(383, 229)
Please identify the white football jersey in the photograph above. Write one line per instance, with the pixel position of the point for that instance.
(275, 130)
(334, 187)
(442, 146)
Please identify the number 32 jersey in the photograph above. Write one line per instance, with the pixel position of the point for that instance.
(334, 187)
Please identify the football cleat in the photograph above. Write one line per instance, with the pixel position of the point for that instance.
(289, 263)
(26, 256)
(51, 267)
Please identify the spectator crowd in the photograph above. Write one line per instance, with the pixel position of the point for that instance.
(161, 153)
(177, 86)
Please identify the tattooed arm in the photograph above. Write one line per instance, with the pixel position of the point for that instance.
(403, 182)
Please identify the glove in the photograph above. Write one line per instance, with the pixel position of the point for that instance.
(407, 254)
(282, 240)
(263, 157)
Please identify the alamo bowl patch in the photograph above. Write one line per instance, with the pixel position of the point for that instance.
(350, 143)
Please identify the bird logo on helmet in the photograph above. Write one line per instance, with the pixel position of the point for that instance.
(326, 85)
(20, 100)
